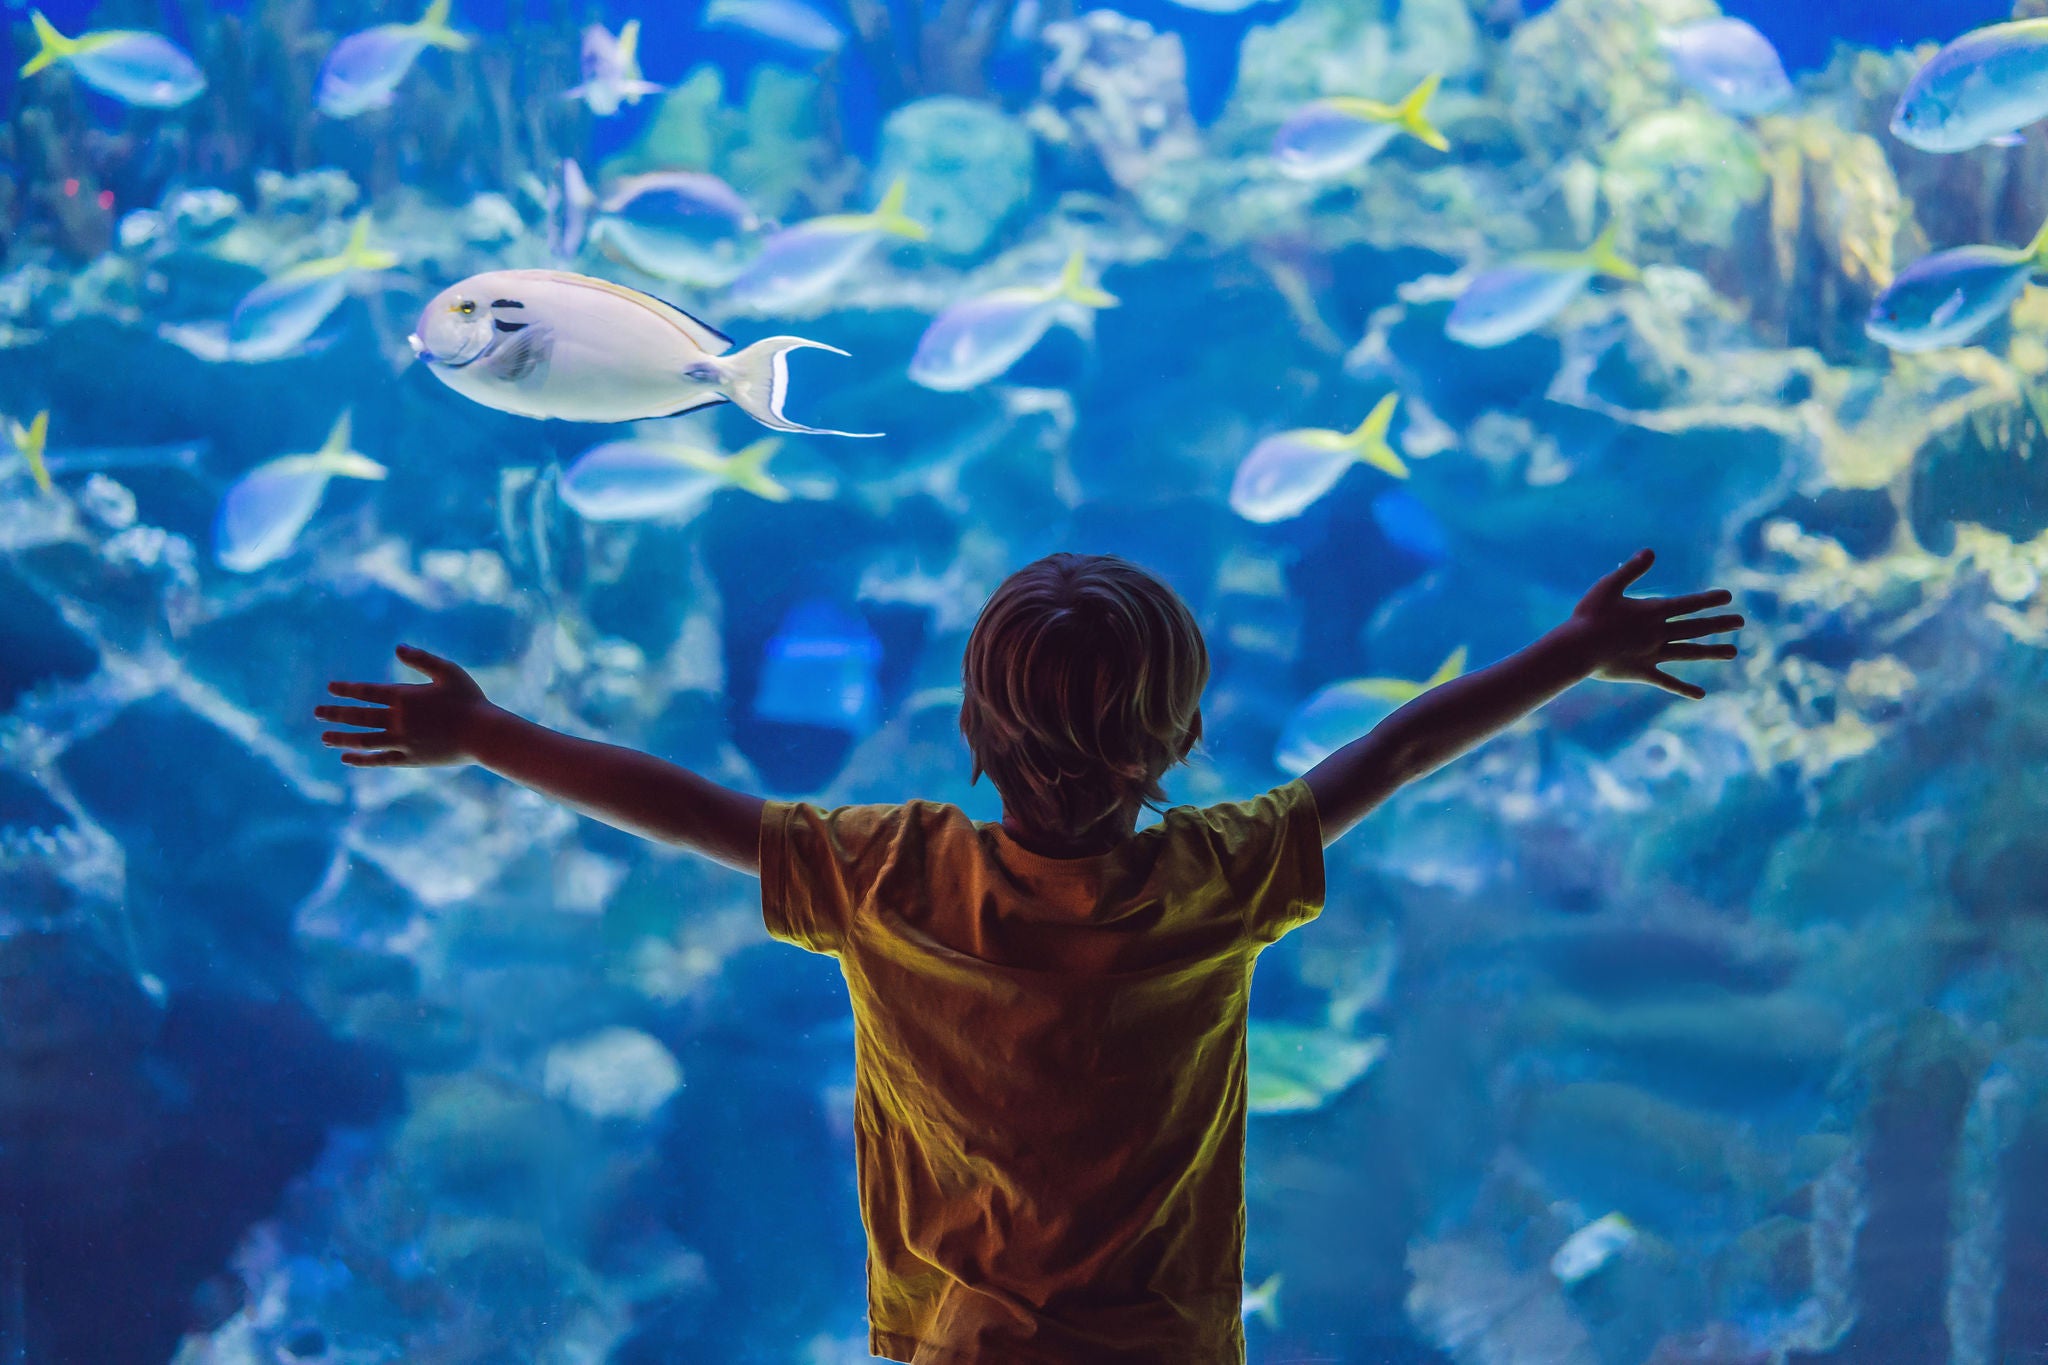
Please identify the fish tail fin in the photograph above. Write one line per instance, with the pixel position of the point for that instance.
(359, 254)
(757, 380)
(2037, 250)
(1368, 440)
(748, 470)
(1412, 115)
(629, 45)
(340, 434)
(30, 441)
(1074, 286)
(1607, 261)
(1450, 668)
(433, 28)
(1268, 1295)
(55, 46)
(569, 206)
(889, 216)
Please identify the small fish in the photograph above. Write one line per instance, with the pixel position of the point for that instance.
(1405, 520)
(799, 263)
(569, 202)
(977, 339)
(821, 668)
(363, 70)
(29, 442)
(638, 480)
(1591, 1247)
(1262, 1302)
(611, 70)
(262, 514)
(548, 343)
(1731, 64)
(1343, 711)
(686, 226)
(281, 314)
(1335, 135)
(136, 67)
(1948, 297)
(1219, 6)
(789, 22)
(1293, 1069)
(1512, 300)
(1284, 474)
(1990, 82)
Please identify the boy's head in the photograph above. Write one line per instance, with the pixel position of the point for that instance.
(1083, 685)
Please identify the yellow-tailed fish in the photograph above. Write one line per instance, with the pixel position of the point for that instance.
(262, 514)
(1343, 711)
(1331, 136)
(799, 263)
(611, 70)
(1948, 297)
(1286, 473)
(1262, 1302)
(281, 314)
(1591, 1247)
(31, 440)
(1292, 1069)
(977, 339)
(1982, 88)
(638, 480)
(132, 65)
(1515, 299)
(362, 71)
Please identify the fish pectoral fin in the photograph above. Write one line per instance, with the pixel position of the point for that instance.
(522, 357)
(1950, 306)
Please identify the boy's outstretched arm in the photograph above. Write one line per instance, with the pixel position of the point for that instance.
(1609, 635)
(449, 720)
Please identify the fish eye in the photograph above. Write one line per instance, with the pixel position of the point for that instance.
(466, 307)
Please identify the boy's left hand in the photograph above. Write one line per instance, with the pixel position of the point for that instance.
(1628, 638)
(412, 725)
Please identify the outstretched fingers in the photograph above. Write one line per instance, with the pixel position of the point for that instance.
(386, 758)
(1616, 582)
(358, 739)
(1678, 685)
(1691, 602)
(1687, 652)
(1703, 625)
(379, 716)
(433, 665)
(384, 694)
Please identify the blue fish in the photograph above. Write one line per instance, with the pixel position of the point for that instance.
(135, 67)
(1948, 297)
(363, 70)
(790, 22)
(1730, 63)
(821, 668)
(1514, 299)
(262, 514)
(1344, 711)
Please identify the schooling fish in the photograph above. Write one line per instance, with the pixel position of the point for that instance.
(29, 442)
(1284, 474)
(135, 67)
(1512, 300)
(686, 226)
(1262, 1302)
(611, 70)
(1343, 711)
(1948, 297)
(1731, 64)
(262, 514)
(364, 69)
(1987, 84)
(638, 480)
(790, 22)
(1335, 135)
(822, 667)
(281, 314)
(1292, 1069)
(547, 343)
(802, 262)
(977, 339)
(1591, 1247)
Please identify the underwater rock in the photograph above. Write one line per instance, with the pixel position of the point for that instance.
(1679, 180)
(1469, 1300)
(38, 648)
(966, 165)
(1989, 468)
(1115, 92)
(1582, 66)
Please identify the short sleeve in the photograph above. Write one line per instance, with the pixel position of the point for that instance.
(818, 865)
(1272, 854)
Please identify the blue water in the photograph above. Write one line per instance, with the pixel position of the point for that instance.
(303, 1063)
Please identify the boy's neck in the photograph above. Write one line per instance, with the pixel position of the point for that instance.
(1101, 839)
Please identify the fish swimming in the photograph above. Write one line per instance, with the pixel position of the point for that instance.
(29, 442)
(262, 514)
(134, 66)
(1729, 63)
(689, 227)
(1286, 473)
(978, 339)
(362, 71)
(1948, 297)
(1591, 1247)
(1335, 135)
(611, 70)
(281, 314)
(821, 667)
(1262, 1302)
(1344, 711)
(799, 263)
(1292, 1069)
(548, 343)
(637, 480)
(789, 22)
(1983, 86)
(1512, 300)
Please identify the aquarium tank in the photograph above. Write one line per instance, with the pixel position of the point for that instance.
(1655, 1031)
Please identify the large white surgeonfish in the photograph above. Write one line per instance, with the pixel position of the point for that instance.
(977, 339)
(1948, 297)
(134, 66)
(548, 343)
(799, 263)
(1983, 87)
(1344, 711)
(261, 516)
(1287, 472)
(1514, 299)
(1331, 136)
(363, 70)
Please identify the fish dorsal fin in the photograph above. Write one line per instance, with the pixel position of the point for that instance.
(629, 44)
(703, 335)
(339, 436)
(1450, 668)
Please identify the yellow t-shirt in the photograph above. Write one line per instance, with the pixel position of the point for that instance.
(1049, 1104)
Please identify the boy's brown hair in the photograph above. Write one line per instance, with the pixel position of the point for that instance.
(1082, 686)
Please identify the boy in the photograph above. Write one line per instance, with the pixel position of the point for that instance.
(1050, 1011)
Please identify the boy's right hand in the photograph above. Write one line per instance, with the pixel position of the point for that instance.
(410, 725)
(1626, 639)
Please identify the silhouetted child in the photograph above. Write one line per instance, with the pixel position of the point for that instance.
(1050, 1011)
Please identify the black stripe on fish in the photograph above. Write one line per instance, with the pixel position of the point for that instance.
(505, 326)
(507, 303)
